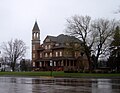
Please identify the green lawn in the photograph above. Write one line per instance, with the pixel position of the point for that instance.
(58, 74)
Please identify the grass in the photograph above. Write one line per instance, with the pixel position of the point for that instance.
(59, 74)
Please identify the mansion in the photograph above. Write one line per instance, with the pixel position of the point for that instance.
(58, 53)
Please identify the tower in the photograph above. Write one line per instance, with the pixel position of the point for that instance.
(35, 43)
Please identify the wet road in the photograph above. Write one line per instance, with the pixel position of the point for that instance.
(58, 85)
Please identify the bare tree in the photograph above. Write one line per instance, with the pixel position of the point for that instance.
(103, 29)
(79, 26)
(14, 50)
(95, 35)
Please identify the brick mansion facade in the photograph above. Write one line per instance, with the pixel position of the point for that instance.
(60, 52)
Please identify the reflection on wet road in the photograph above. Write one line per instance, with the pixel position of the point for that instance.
(58, 85)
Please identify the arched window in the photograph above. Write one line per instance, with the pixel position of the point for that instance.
(34, 35)
(56, 54)
(50, 54)
(60, 53)
(46, 54)
(37, 35)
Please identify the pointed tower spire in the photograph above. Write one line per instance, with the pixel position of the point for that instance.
(36, 32)
(35, 43)
(36, 28)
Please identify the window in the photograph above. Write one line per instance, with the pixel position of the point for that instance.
(45, 46)
(33, 55)
(40, 55)
(40, 64)
(56, 54)
(54, 63)
(33, 64)
(57, 44)
(33, 47)
(34, 35)
(46, 55)
(37, 35)
(60, 53)
(47, 40)
(50, 54)
(51, 63)
(49, 46)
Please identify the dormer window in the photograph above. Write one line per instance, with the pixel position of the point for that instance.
(40, 64)
(47, 40)
(57, 44)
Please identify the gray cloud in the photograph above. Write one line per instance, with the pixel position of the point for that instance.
(17, 17)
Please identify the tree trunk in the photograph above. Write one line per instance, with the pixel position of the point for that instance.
(13, 66)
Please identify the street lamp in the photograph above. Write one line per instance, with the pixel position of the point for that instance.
(51, 64)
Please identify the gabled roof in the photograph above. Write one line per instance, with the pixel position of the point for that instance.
(65, 38)
(36, 28)
(52, 38)
(62, 40)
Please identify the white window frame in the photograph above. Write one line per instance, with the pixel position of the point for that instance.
(33, 55)
(56, 54)
(40, 64)
(54, 63)
(46, 54)
(33, 64)
(57, 44)
(51, 54)
(60, 53)
(40, 55)
(51, 63)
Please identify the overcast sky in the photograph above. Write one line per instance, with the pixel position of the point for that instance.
(17, 17)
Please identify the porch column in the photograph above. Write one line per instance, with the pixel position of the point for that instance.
(66, 63)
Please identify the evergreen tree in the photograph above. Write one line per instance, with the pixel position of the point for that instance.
(115, 50)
